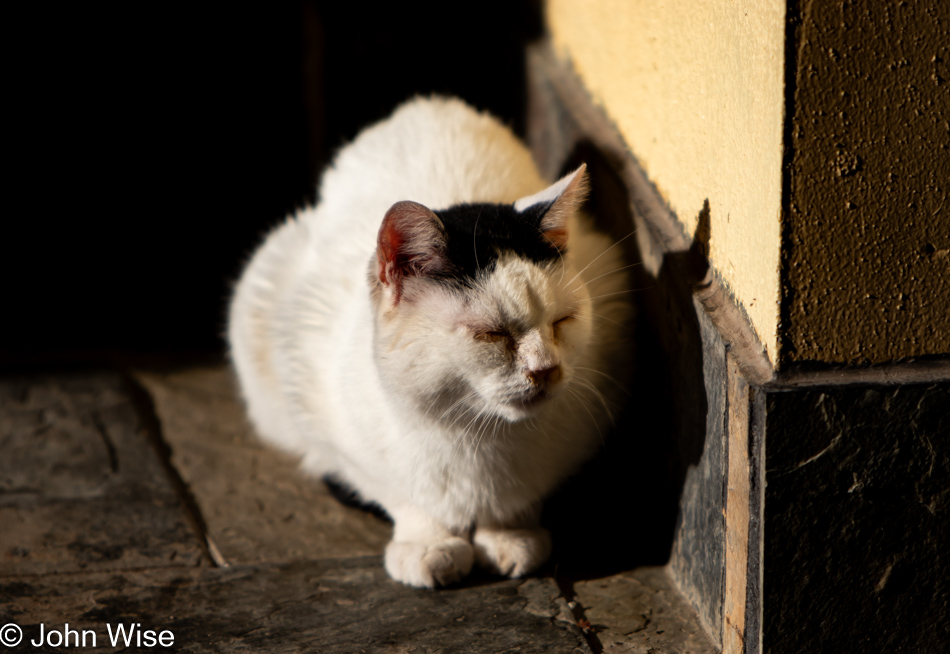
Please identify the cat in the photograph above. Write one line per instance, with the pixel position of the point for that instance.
(441, 332)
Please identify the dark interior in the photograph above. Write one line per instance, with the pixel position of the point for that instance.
(152, 148)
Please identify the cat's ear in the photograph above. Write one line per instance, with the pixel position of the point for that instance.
(561, 199)
(411, 241)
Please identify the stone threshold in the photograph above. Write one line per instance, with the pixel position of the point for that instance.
(145, 499)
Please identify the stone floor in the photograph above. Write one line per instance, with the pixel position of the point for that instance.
(142, 500)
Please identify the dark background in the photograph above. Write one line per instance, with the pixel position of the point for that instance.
(152, 148)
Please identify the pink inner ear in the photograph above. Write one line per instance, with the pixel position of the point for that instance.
(557, 236)
(387, 251)
(569, 200)
(411, 241)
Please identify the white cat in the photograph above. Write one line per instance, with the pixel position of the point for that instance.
(440, 332)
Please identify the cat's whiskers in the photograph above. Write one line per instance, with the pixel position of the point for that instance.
(477, 436)
(559, 255)
(501, 425)
(456, 404)
(586, 383)
(601, 276)
(434, 398)
(487, 426)
(436, 426)
(606, 250)
(629, 290)
(603, 317)
(607, 377)
(461, 438)
(579, 397)
(468, 410)
(465, 436)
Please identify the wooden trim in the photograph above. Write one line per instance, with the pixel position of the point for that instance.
(737, 511)
(894, 374)
(756, 578)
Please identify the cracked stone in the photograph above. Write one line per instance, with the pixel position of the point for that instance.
(641, 611)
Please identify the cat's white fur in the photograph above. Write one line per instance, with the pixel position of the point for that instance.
(401, 399)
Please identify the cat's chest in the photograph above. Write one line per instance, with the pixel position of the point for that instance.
(509, 456)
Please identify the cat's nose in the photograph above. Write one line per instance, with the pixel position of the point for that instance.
(546, 376)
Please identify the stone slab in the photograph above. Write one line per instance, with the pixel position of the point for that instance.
(81, 483)
(641, 612)
(256, 504)
(323, 606)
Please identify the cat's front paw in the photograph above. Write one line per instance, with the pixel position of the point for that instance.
(431, 565)
(511, 552)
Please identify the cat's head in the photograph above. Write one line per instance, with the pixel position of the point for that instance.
(479, 306)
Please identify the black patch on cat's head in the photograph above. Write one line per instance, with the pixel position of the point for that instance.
(477, 234)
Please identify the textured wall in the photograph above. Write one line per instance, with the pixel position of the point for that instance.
(696, 91)
(866, 272)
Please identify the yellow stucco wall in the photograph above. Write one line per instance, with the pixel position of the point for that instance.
(696, 90)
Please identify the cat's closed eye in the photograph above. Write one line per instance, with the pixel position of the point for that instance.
(494, 336)
(561, 322)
